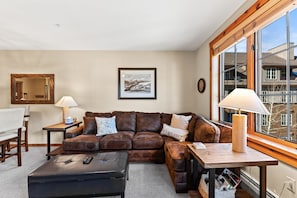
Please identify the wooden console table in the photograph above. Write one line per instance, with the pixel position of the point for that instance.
(220, 155)
(60, 127)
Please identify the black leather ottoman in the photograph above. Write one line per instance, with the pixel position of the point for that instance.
(67, 176)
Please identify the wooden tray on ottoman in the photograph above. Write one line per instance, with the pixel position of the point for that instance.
(66, 176)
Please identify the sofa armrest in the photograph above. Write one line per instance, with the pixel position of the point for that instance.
(226, 132)
(75, 132)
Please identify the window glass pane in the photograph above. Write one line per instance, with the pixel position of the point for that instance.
(274, 35)
(293, 29)
(233, 73)
(277, 78)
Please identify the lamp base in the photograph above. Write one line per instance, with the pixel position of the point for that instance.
(239, 133)
(65, 114)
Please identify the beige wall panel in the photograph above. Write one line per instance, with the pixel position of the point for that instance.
(91, 77)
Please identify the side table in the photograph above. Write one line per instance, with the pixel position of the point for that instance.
(60, 127)
(220, 155)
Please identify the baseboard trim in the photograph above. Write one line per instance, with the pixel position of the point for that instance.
(37, 145)
(252, 186)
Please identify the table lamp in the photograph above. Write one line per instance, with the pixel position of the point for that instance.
(242, 99)
(66, 102)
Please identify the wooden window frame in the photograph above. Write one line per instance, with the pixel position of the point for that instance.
(257, 16)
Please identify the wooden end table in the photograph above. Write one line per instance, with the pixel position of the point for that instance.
(220, 155)
(60, 127)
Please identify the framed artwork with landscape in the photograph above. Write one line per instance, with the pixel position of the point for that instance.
(137, 83)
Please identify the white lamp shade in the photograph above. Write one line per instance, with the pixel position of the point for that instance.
(244, 100)
(66, 101)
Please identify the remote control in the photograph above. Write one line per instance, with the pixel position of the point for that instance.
(68, 161)
(87, 160)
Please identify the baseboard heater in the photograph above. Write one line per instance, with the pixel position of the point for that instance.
(251, 185)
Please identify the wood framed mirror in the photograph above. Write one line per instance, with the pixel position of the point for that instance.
(32, 88)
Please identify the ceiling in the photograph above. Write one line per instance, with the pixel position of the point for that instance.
(111, 24)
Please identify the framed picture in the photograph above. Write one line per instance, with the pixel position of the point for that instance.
(137, 83)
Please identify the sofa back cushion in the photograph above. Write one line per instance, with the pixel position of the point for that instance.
(125, 121)
(226, 132)
(90, 126)
(166, 118)
(97, 114)
(206, 131)
(148, 122)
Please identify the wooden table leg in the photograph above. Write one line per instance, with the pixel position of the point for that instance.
(48, 144)
(262, 181)
(3, 149)
(211, 183)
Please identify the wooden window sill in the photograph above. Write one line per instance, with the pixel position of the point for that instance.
(281, 151)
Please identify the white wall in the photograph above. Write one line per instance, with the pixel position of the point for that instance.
(91, 77)
(276, 175)
(276, 178)
(203, 61)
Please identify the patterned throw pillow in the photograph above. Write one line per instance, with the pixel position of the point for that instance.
(105, 126)
(178, 134)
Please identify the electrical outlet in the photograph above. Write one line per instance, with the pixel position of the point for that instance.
(291, 184)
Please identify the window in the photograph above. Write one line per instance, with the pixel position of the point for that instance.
(275, 47)
(271, 74)
(270, 39)
(274, 52)
(265, 120)
(284, 120)
(233, 73)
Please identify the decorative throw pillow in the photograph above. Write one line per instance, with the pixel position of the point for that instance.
(180, 121)
(105, 126)
(178, 134)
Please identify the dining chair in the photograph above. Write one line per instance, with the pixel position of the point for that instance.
(11, 120)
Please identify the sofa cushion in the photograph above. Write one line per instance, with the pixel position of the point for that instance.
(125, 121)
(147, 140)
(166, 118)
(178, 134)
(226, 133)
(148, 122)
(81, 143)
(180, 121)
(90, 126)
(118, 141)
(106, 126)
(98, 114)
(205, 131)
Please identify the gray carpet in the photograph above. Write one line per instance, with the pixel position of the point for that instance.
(146, 180)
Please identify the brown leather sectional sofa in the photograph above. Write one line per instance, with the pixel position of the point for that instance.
(139, 134)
